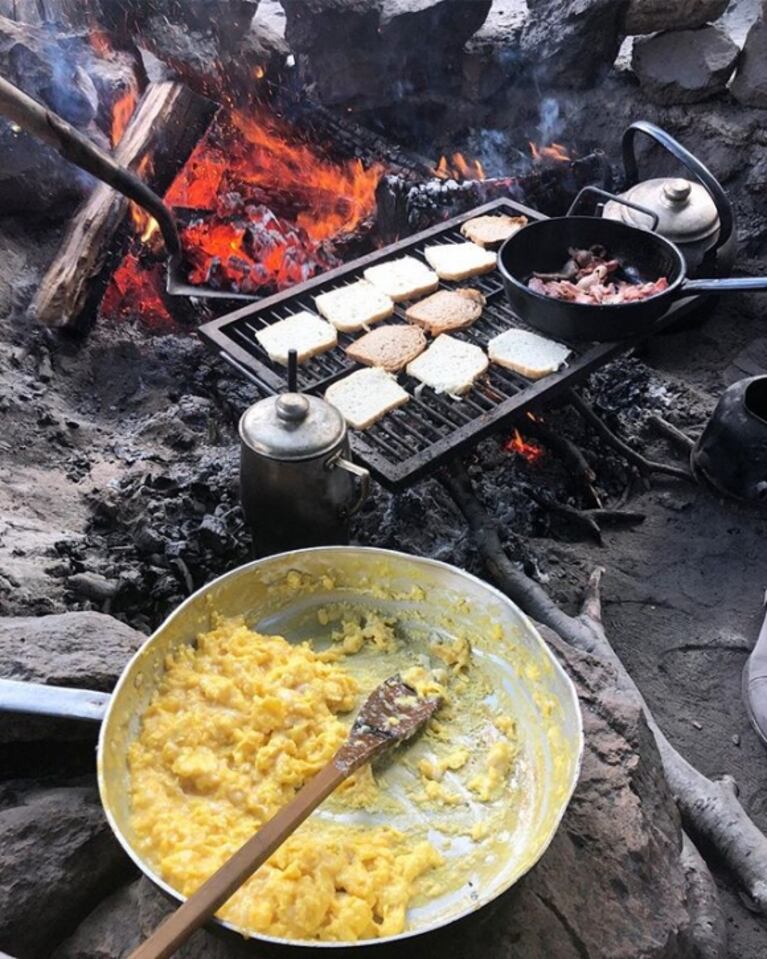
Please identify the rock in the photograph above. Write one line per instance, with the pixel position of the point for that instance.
(684, 66)
(750, 84)
(653, 16)
(572, 44)
(373, 53)
(87, 650)
(612, 885)
(58, 858)
(490, 57)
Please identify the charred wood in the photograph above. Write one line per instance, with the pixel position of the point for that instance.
(166, 125)
(672, 433)
(627, 452)
(406, 207)
(567, 451)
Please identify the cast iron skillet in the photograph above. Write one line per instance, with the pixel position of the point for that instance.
(542, 247)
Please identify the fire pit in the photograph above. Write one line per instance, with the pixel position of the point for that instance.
(296, 142)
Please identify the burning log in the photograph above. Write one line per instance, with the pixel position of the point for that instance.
(405, 207)
(709, 809)
(166, 125)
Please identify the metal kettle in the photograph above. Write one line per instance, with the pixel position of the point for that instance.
(695, 215)
(298, 485)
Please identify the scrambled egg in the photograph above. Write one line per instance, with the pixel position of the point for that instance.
(241, 721)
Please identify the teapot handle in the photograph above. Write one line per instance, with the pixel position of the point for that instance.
(693, 164)
(363, 481)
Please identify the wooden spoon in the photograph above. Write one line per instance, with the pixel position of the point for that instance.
(390, 715)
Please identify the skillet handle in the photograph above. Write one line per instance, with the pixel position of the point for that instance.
(39, 700)
(598, 191)
(693, 164)
(49, 127)
(733, 284)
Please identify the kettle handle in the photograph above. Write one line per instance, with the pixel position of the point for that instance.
(363, 479)
(693, 164)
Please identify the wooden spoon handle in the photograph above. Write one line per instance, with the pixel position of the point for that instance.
(222, 884)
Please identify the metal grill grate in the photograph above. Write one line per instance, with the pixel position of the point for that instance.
(411, 441)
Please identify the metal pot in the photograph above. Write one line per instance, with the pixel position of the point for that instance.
(695, 215)
(421, 594)
(731, 454)
(298, 485)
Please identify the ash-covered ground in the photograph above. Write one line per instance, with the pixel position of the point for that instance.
(118, 492)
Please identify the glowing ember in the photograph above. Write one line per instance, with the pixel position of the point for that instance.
(99, 41)
(256, 207)
(458, 168)
(532, 452)
(554, 151)
(136, 285)
(122, 111)
(248, 248)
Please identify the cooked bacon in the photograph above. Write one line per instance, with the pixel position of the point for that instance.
(587, 277)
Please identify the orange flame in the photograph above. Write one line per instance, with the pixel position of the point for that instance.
(532, 452)
(458, 168)
(122, 111)
(554, 151)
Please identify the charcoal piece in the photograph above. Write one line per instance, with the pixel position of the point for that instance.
(684, 66)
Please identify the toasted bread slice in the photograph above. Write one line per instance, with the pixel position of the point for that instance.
(459, 261)
(390, 347)
(353, 307)
(304, 332)
(447, 310)
(402, 279)
(365, 396)
(449, 365)
(491, 230)
(527, 353)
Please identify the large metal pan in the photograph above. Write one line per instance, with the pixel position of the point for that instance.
(281, 594)
(542, 247)
(52, 129)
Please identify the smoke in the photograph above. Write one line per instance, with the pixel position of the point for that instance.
(550, 123)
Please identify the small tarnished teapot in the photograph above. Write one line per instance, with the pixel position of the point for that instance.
(298, 485)
(694, 214)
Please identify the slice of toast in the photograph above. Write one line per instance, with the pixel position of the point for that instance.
(491, 230)
(353, 307)
(402, 279)
(459, 261)
(391, 347)
(365, 396)
(447, 310)
(304, 332)
(449, 366)
(527, 353)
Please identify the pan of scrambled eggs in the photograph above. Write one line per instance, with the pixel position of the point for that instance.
(249, 688)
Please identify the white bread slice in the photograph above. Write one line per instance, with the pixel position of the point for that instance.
(365, 396)
(527, 353)
(402, 279)
(458, 261)
(304, 332)
(447, 310)
(352, 307)
(391, 347)
(492, 229)
(449, 365)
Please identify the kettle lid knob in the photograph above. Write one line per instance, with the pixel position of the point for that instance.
(677, 190)
(292, 407)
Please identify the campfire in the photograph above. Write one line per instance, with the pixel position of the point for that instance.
(307, 308)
